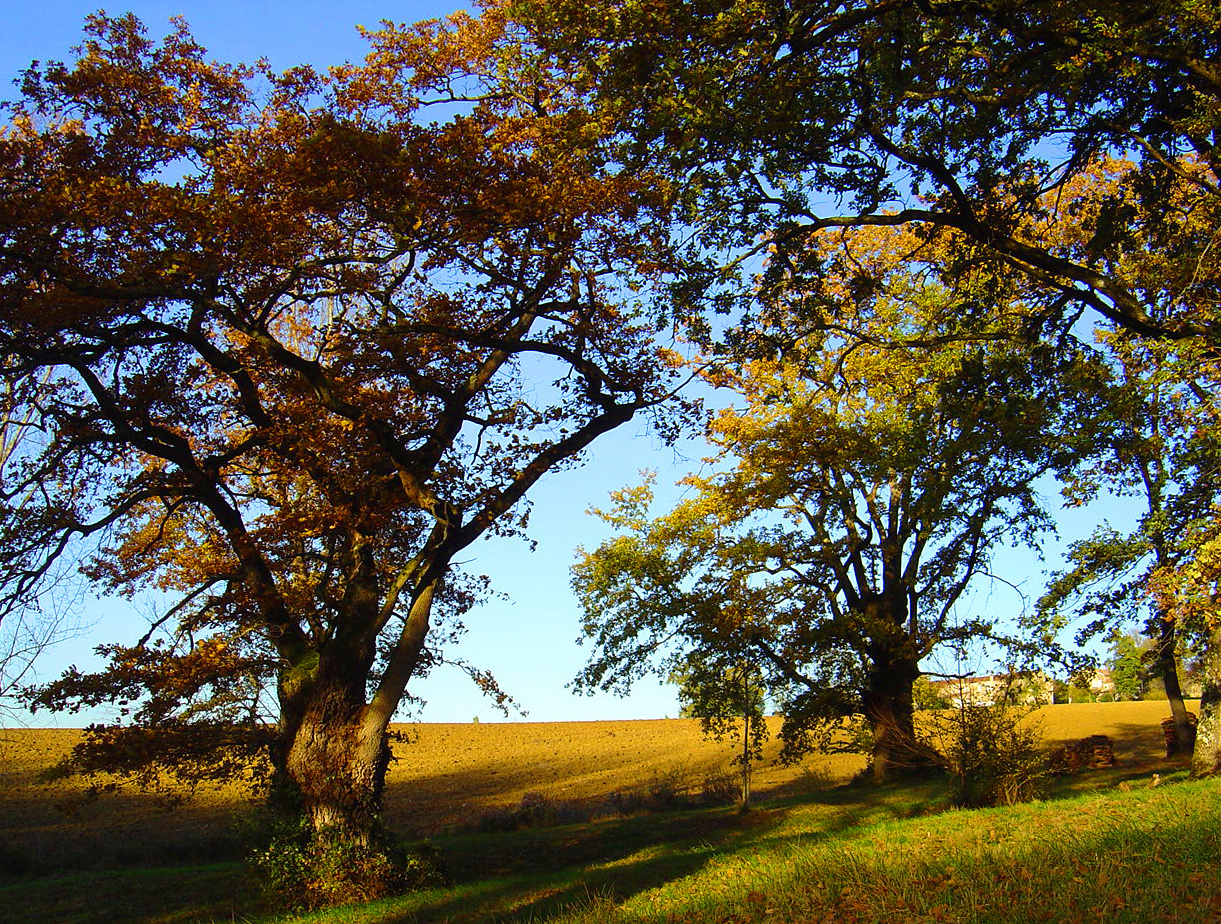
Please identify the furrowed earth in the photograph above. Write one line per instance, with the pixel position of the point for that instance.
(449, 777)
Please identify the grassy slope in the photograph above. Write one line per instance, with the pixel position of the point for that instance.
(842, 854)
(847, 856)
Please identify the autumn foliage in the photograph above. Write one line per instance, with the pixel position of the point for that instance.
(292, 342)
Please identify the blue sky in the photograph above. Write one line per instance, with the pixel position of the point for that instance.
(528, 641)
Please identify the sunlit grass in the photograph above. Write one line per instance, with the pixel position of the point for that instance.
(1106, 847)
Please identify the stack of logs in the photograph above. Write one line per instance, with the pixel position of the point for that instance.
(1092, 753)
(1173, 744)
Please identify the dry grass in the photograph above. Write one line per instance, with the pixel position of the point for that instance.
(446, 777)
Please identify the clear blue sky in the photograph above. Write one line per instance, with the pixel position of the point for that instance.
(528, 642)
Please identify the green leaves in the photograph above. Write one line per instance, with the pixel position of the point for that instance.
(867, 476)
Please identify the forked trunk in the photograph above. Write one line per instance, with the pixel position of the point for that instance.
(1206, 758)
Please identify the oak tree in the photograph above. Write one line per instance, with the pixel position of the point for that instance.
(306, 337)
(980, 121)
(1144, 442)
(867, 488)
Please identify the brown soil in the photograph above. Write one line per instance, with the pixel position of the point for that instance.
(447, 777)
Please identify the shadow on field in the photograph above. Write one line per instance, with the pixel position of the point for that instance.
(114, 831)
(1132, 742)
(1140, 754)
(525, 875)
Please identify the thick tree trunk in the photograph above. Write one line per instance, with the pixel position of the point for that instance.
(334, 760)
(1206, 758)
(890, 710)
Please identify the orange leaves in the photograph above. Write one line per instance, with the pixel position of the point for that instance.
(313, 348)
(441, 60)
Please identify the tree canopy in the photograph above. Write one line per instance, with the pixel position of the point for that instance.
(1147, 441)
(1075, 144)
(292, 342)
(867, 486)
(785, 119)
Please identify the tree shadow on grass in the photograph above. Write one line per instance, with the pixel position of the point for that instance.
(221, 892)
(523, 875)
(854, 804)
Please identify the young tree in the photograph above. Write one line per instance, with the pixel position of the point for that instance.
(305, 342)
(1127, 666)
(728, 697)
(1142, 444)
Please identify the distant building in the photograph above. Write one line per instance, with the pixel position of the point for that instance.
(1102, 681)
(1027, 688)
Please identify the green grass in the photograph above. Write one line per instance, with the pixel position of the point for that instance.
(159, 895)
(1140, 856)
(842, 855)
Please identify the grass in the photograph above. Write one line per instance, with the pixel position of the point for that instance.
(1106, 847)
(845, 855)
(156, 895)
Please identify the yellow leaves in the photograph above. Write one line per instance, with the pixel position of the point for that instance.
(444, 59)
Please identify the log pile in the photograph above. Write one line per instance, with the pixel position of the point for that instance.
(1171, 734)
(1093, 753)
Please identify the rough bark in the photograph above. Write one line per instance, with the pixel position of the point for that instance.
(333, 743)
(1206, 758)
(890, 710)
(894, 667)
(334, 762)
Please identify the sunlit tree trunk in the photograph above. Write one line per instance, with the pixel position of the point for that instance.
(1206, 758)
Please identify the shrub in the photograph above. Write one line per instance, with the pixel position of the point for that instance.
(323, 873)
(993, 756)
(300, 873)
(624, 802)
(927, 696)
(497, 819)
(534, 810)
(667, 790)
(422, 869)
(722, 787)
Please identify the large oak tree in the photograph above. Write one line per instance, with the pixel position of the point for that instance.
(867, 488)
(293, 342)
(975, 120)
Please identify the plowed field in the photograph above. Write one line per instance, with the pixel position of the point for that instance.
(448, 776)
